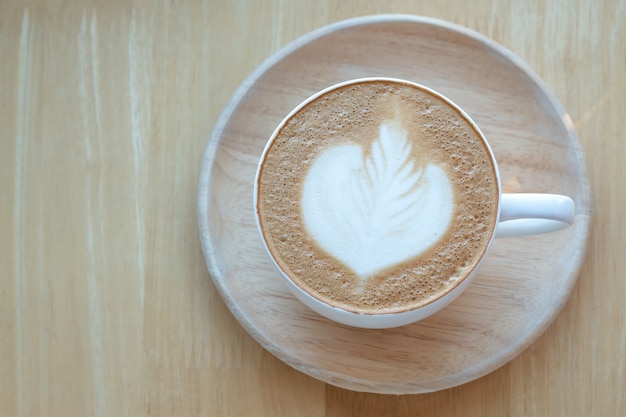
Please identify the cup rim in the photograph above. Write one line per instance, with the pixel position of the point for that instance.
(293, 284)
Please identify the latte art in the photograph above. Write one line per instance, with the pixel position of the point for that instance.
(376, 197)
(372, 209)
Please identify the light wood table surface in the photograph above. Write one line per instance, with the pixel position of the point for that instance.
(106, 305)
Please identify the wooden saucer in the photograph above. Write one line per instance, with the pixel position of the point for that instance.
(524, 282)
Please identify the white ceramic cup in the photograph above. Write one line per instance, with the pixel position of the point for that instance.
(520, 214)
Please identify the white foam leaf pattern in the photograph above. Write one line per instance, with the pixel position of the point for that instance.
(376, 211)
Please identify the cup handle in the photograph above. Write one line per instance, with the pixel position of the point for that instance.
(523, 214)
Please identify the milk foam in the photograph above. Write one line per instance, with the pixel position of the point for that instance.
(355, 119)
(375, 208)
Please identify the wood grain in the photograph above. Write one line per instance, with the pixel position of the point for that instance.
(106, 306)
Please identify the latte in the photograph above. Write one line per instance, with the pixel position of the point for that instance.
(377, 197)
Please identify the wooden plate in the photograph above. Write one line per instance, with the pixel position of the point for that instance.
(524, 281)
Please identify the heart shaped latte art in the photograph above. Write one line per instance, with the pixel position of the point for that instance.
(377, 209)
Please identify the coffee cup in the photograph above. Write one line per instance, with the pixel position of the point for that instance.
(377, 200)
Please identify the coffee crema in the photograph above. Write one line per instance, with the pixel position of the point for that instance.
(377, 197)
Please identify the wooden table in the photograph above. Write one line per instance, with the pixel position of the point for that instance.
(106, 305)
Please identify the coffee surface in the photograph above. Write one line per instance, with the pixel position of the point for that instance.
(377, 196)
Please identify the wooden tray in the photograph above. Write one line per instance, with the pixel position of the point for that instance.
(524, 281)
